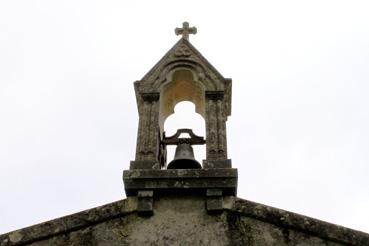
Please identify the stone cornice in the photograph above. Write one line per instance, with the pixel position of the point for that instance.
(240, 207)
(290, 220)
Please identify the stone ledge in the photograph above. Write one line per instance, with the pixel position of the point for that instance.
(290, 220)
(69, 223)
(183, 180)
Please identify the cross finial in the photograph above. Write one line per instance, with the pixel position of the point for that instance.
(186, 30)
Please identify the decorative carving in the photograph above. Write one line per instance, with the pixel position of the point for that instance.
(182, 50)
(207, 73)
(214, 95)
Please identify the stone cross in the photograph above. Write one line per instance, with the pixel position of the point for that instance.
(185, 30)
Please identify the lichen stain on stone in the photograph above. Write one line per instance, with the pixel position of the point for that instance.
(15, 237)
(182, 172)
(286, 235)
(177, 184)
(238, 232)
(182, 220)
(4, 242)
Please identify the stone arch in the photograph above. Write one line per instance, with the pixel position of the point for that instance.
(182, 84)
(201, 75)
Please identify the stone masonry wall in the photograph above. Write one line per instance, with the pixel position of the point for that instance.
(182, 221)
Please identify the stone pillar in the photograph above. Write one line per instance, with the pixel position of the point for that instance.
(211, 128)
(216, 137)
(148, 137)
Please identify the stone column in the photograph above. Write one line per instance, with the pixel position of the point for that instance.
(222, 134)
(211, 128)
(148, 137)
(216, 137)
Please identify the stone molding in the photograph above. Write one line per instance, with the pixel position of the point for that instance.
(290, 220)
(69, 223)
(194, 181)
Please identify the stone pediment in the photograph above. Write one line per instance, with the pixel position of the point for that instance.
(184, 55)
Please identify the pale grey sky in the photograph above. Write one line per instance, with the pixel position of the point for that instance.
(298, 132)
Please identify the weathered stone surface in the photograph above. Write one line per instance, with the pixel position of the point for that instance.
(293, 221)
(144, 165)
(69, 223)
(217, 163)
(145, 202)
(183, 220)
(183, 74)
(180, 180)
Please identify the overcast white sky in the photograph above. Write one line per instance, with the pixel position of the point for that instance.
(299, 130)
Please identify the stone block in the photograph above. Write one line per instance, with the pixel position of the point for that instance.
(145, 202)
(214, 201)
(144, 165)
(217, 163)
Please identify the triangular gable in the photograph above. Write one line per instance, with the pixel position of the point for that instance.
(183, 53)
(183, 50)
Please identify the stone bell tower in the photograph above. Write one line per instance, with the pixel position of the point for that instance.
(191, 203)
(183, 74)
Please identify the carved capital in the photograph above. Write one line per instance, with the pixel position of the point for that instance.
(214, 95)
(150, 97)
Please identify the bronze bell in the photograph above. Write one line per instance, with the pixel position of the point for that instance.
(184, 158)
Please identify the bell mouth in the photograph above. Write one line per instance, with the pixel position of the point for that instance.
(184, 158)
(184, 164)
